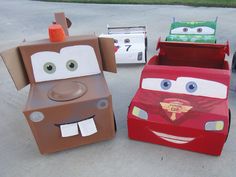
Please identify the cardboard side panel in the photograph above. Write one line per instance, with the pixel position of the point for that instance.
(61, 19)
(15, 66)
(108, 54)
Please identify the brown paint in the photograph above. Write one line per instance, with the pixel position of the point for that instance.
(80, 98)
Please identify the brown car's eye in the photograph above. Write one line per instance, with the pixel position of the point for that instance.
(71, 65)
(49, 67)
(185, 29)
(127, 41)
(199, 30)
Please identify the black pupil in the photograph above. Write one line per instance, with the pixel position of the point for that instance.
(49, 67)
(185, 29)
(71, 65)
(191, 87)
(166, 84)
(199, 29)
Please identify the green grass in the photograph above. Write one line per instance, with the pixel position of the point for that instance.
(210, 3)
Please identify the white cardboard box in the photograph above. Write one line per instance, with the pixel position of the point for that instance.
(130, 44)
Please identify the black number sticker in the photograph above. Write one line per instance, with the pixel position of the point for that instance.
(128, 47)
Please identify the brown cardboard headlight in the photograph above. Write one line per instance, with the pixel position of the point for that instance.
(36, 116)
(102, 104)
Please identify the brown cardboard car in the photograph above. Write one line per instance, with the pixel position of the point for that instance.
(69, 103)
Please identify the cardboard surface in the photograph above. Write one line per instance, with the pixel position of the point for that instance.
(61, 19)
(107, 53)
(130, 44)
(69, 103)
(183, 103)
(13, 61)
(193, 31)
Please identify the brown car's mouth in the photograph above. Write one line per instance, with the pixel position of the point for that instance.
(85, 127)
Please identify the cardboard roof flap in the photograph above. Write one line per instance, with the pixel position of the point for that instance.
(15, 66)
(193, 54)
(108, 54)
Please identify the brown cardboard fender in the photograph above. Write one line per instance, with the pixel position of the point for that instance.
(69, 103)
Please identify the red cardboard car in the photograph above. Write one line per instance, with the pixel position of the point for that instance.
(182, 100)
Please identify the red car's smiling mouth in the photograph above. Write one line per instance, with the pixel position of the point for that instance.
(173, 138)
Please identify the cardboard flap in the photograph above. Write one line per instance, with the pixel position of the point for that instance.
(192, 54)
(108, 54)
(61, 19)
(15, 66)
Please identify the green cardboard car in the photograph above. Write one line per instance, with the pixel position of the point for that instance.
(193, 31)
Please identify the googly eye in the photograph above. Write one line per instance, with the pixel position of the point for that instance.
(165, 84)
(49, 67)
(199, 30)
(191, 87)
(185, 29)
(71, 65)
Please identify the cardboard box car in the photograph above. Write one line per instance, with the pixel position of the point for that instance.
(69, 103)
(193, 31)
(182, 99)
(130, 44)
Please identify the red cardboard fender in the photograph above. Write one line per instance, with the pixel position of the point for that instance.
(182, 100)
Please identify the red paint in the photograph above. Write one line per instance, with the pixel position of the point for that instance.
(202, 61)
(56, 33)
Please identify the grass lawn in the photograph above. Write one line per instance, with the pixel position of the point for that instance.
(213, 3)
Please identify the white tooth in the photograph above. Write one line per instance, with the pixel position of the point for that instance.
(68, 130)
(87, 127)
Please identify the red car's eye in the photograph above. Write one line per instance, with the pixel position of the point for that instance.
(191, 87)
(165, 84)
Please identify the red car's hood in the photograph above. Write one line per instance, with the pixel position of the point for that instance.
(180, 108)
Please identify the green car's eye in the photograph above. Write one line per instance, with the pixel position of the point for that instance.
(49, 67)
(185, 29)
(71, 65)
(199, 30)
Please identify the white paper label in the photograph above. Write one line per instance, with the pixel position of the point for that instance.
(87, 127)
(68, 130)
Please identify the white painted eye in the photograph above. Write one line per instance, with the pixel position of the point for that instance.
(165, 84)
(71, 65)
(49, 65)
(181, 30)
(191, 87)
(203, 30)
(187, 85)
(158, 84)
(200, 87)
